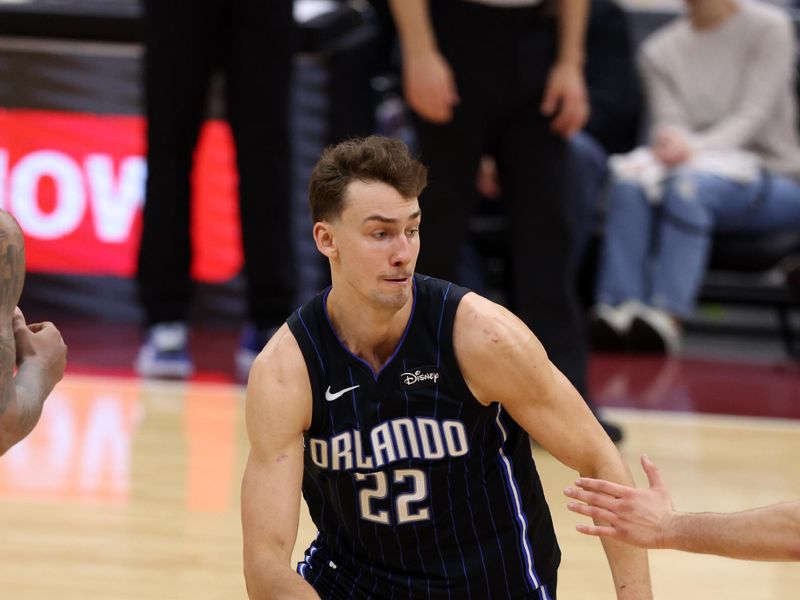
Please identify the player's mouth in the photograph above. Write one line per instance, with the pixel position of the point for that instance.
(397, 280)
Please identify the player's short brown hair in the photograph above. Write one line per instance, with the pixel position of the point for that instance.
(373, 158)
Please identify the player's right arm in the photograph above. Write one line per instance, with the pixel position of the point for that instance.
(278, 410)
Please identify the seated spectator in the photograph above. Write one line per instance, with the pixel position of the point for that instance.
(723, 156)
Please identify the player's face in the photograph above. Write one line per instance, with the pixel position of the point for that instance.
(377, 242)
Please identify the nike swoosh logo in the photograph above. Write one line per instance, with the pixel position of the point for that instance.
(330, 397)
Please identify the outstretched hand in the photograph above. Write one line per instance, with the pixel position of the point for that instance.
(639, 517)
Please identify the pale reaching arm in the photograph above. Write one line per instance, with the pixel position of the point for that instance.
(37, 350)
(767, 533)
(565, 96)
(277, 412)
(428, 81)
(646, 518)
(502, 361)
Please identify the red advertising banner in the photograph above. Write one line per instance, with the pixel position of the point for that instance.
(75, 182)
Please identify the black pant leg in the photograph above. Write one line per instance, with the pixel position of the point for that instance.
(532, 162)
(258, 73)
(532, 166)
(180, 37)
(501, 59)
(451, 152)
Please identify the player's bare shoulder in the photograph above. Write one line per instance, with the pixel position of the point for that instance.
(491, 344)
(9, 226)
(486, 328)
(281, 352)
(279, 378)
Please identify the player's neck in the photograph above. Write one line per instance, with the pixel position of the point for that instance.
(369, 332)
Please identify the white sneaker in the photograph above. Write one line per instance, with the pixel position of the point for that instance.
(655, 330)
(165, 352)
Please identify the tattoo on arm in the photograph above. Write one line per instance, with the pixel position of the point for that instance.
(29, 414)
(12, 275)
(8, 357)
(12, 265)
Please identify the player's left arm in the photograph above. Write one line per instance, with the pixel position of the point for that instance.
(502, 361)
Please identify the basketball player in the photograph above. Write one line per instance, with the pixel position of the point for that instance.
(402, 405)
(36, 350)
(646, 518)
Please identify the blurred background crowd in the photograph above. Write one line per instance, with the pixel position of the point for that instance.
(156, 155)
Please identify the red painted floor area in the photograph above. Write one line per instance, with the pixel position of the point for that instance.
(622, 380)
(696, 386)
(104, 348)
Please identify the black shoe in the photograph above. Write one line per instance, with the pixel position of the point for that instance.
(609, 325)
(612, 431)
(655, 332)
(604, 337)
(791, 267)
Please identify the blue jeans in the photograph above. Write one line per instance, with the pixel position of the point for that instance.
(658, 254)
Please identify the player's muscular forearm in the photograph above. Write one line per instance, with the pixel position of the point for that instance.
(766, 533)
(41, 357)
(12, 264)
(12, 275)
(7, 359)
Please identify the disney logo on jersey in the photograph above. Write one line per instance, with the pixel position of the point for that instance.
(420, 376)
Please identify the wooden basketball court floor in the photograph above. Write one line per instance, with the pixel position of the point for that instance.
(129, 489)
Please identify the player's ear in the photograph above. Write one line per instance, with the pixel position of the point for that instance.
(324, 238)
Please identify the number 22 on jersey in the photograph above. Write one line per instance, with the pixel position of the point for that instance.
(372, 498)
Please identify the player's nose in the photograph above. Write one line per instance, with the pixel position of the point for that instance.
(402, 250)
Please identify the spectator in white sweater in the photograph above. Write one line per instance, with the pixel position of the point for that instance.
(723, 155)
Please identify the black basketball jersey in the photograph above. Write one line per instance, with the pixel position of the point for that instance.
(417, 490)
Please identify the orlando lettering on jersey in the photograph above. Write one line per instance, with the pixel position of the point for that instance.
(391, 441)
